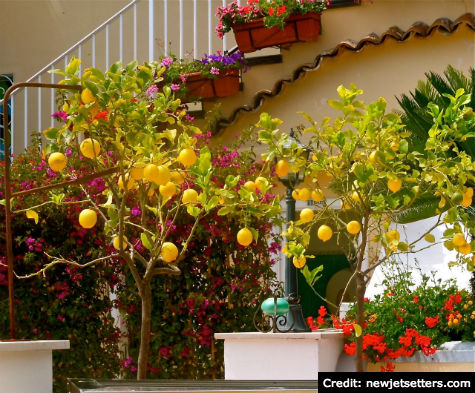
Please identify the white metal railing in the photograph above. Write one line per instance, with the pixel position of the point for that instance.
(142, 30)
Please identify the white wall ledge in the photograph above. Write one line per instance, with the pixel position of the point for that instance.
(315, 335)
(33, 345)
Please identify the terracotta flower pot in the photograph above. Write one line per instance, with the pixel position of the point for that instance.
(204, 88)
(298, 28)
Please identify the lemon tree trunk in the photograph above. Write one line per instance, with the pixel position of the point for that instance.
(145, 328)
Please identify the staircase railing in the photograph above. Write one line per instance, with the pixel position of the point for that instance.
(142, 30)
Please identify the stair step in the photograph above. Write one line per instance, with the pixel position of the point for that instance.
(270, 55)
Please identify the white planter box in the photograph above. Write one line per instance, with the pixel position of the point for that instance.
(280, 356)
(27, 366)
(453, 356)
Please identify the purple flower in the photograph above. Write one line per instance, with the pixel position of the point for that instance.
(60, 115)
(174, 86)
(152, 90)
(136, 211)
(166, 62)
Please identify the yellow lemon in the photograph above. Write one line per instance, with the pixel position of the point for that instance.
(57, 161)
(459, 239)
(189, 196)
(304, 194)
(250, 185)
(260, 183)
(394, 184)
(168, 190)
(393, 235)
(324, 233)
(169, 252)
(116, 243)
(394, 146)
(129, 182)
(90, 148)
(187, 157)
(177, 177)
(345, 205)
(467, 197)
(244, 237)
(160, 175)
(87, 97)
(465, 249)
(317, 195)
(299, 262)
(295, 195)
(353, 227)
(136, 172)
(87, 218)
(306, 215)
(282, 168)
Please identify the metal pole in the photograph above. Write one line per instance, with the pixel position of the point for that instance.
(291, 284)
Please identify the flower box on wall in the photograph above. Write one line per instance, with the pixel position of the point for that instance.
(298, 28)
(205, 88)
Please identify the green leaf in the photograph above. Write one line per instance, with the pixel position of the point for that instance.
(146, 241)
(193, 210)
(32, 215)
(311, 276)
(213, 202)
(225, 210)
(51, 133)
(403, 146)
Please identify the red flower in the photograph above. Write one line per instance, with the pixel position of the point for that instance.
(281, 10)
(322, 311)
(271, 11)
(405, 340)
(350, 349)
(457, 298)
(399, 319)
(423, 340)
(416, 299)
(431, 322)
(389, 368)
(102, 115)
(347, 329)
(389, 294)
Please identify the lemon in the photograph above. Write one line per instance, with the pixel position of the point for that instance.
(260, 183)
(459, 239)
(250, 185)
(87, 218)
(467, 197)
(299, 262)
(90, 148)
(136, 172)
(304, 194)
(375, 157)
(306, 215)
(169, 252)
(394, 184)
(345, 205)
(324, 233)
(429, 237)
(282, 168)
(187, 157)
(177, 177)
(116, 243)
(129, 182)
(394, 146)
(57, 161)
(168, 190)
(295, 195)
(317, 195)
(87, 97)
(353, 227)
(189, 196)
(393, 235)
(160, 175)
(465, 249)
(244, 237)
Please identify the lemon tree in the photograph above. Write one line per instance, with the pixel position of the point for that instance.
(363, 156)
(140, 141)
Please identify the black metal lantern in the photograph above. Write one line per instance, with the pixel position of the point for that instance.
(295, 319)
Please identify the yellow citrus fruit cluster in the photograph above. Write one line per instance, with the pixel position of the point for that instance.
(57, 162)
(461, 244)
(244, 237)
(301, 194)
(158, 174)
(467, 197)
